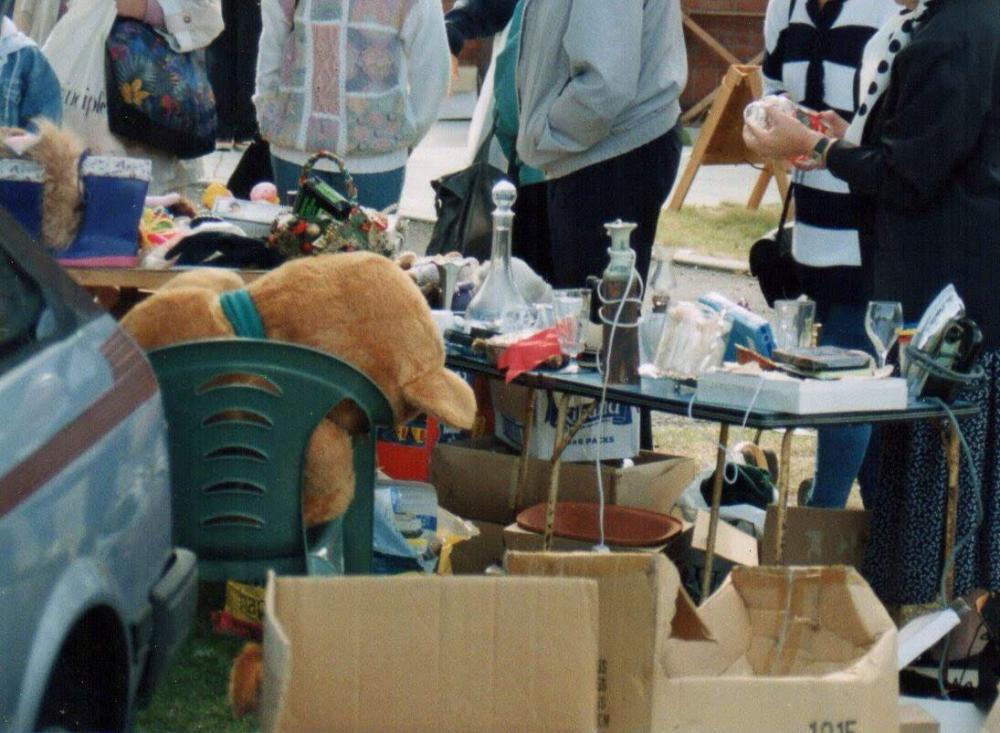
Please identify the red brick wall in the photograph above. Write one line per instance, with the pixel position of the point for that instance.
(736, 24)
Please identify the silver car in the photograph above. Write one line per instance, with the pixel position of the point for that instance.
(93, 596)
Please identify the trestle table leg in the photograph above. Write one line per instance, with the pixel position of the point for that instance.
(713, 525)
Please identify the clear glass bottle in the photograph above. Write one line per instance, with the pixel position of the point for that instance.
(620, 320)
(499, 305)
(661, 284)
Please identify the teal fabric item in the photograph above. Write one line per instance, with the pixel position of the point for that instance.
(242, 314)
(505, 99)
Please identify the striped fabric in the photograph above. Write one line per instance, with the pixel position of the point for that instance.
(812, 54)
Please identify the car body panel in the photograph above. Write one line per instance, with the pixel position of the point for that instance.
(84, 490)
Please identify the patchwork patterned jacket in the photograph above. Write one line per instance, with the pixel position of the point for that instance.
(358, 77)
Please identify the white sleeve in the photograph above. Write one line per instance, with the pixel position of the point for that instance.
(192, 24)
(276, 27)
(425, 47)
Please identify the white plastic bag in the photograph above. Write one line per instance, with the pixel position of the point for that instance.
(76, 50)
(36, 17)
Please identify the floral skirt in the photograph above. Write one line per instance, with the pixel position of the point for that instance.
(904, 557)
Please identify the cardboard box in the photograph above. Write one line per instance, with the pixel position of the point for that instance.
(776, 649)
(429, 654)
(992, 724)
(914, 719)
(473, 480)
(620, 438)
(517, 539)
(801, 396)
(732, 547)
(817, 536)
(473, 556)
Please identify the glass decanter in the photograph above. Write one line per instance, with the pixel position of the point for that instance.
(498, 305)
(621, 298)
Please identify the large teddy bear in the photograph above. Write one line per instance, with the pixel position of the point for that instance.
(358, 307)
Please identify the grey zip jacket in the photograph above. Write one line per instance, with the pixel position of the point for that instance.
(596, 79)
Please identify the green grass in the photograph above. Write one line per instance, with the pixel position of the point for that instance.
(192, 694)
(726, 230)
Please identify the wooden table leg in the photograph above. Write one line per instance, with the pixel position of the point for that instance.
(953, 455)
(784, 480)
(713, 525)
(562, 439)
(519, 476)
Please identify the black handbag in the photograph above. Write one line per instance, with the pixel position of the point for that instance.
(254, 167)
(771, 260)
(463, 202)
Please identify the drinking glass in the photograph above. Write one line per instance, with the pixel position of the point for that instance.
(545, 316)
(883, 319)
(793, 322)
(572, 311)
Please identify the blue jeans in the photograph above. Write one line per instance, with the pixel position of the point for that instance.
(841, 450)
(375, 190)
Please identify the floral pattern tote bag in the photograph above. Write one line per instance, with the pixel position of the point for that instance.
(156, 95)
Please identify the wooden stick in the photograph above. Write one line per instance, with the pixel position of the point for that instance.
(562, 439)
(953, 456)
(519, 475)
(784, 480)
(713, 525)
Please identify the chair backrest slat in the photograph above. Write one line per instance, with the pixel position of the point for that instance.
(240, 413)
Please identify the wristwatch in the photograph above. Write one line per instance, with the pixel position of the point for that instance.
(820, 149)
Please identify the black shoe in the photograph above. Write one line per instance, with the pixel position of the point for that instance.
(805, 492)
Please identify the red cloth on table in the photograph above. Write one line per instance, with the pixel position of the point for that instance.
(528, 353)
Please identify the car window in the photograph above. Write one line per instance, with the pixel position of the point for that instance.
(21, 307)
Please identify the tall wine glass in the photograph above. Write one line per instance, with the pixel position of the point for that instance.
(572, 310)
(883, 320)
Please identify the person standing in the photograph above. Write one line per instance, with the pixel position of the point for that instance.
(232, 68)
(475, 19)
(923, 155)
(190, 25)
(362, 79)
(599, 83)
(36, 17)
(29, 89)
(812, 53)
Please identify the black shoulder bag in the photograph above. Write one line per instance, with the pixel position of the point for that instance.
(463, 202)
(771, 260)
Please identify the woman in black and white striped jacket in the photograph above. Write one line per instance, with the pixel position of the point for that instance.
(813, 49)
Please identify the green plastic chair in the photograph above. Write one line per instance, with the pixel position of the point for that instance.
(239, 416)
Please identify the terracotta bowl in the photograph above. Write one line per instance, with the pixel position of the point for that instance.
(623, 526)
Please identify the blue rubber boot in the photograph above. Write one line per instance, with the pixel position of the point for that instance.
(114, 193)
(21, 184)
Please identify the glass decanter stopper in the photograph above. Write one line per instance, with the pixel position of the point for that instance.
(499, 305)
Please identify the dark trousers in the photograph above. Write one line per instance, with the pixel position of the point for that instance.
(232, 69)
(631, 187)
(530, 238)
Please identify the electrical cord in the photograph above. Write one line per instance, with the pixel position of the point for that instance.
(614, 323)
(732, 458)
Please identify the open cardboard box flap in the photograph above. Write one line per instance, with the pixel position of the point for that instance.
(783, 648)
(429, 653)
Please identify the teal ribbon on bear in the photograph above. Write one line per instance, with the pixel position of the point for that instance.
(242, 314)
